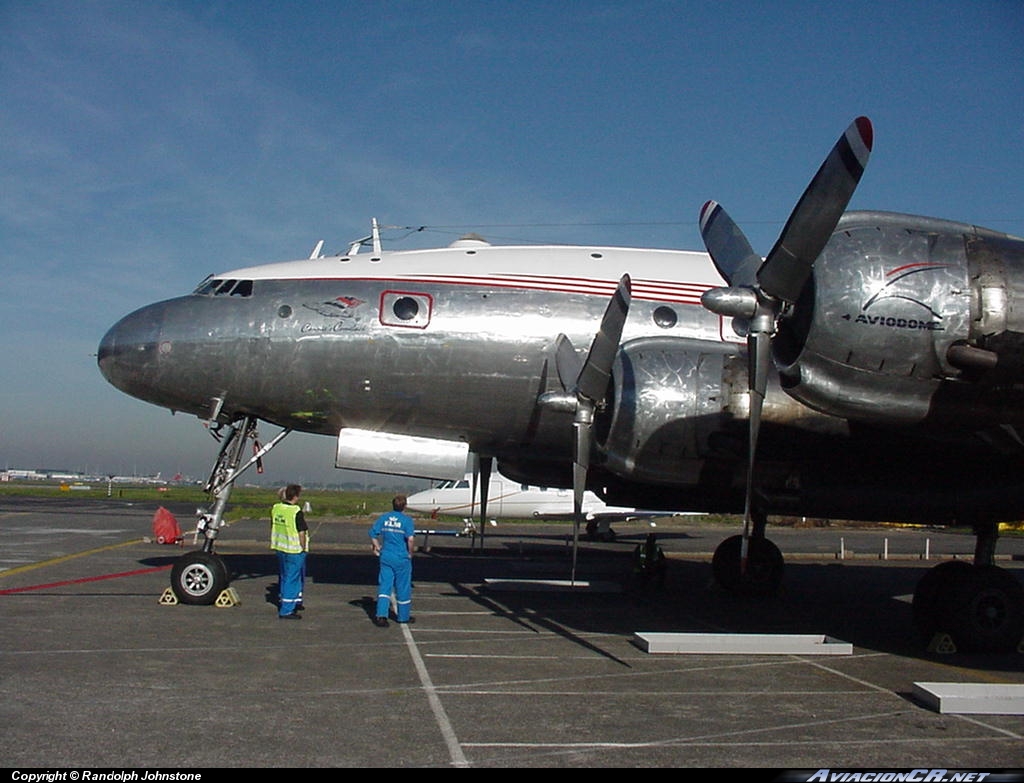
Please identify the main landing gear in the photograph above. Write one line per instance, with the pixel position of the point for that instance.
(200, 576)
(972, 607)
(600, 531)
(979, 606)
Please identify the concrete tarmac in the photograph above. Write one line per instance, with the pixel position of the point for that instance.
(97, 672)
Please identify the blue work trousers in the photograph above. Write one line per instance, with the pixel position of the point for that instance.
(395, 575)
(291, 569)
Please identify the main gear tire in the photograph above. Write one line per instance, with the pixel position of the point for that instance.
(984, 612)
(927, 608)
(197, 578)
(763, 572)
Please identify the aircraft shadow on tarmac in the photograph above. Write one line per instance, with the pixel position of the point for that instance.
(866, 603)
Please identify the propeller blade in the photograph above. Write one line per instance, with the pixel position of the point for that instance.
(597, 370)
(567, 362)
(730, 251)
(583, 427)
(810, 225)
(758, 357)
(482, 480)
(475, 483)
(482, 467)
(591, 387)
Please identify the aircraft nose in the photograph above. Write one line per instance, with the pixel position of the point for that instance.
(128, 351)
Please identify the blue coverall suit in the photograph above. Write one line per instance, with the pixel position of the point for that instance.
(393, 530)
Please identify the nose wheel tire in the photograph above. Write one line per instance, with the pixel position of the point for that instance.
(198, 578)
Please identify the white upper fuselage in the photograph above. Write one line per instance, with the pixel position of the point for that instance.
(657, 275)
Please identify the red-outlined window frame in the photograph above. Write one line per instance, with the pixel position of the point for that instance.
(398, 321)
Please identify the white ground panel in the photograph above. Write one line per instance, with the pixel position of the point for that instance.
(549, 585)
(748, 644)
(972, 698)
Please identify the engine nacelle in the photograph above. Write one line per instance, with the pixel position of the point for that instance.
(898, 306)
(667, 395)
(678, 414)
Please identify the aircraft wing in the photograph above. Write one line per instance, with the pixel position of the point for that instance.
(623, 515)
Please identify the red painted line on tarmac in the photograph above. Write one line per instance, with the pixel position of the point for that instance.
(84, 580)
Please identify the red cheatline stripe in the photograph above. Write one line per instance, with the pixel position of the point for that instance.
(918, 265)
(687, 293)
(82, 581)
(649, 290)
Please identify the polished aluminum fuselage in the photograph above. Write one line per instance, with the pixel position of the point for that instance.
(458, 344)
(318, 344)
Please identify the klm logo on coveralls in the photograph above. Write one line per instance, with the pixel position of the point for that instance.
(393, 523)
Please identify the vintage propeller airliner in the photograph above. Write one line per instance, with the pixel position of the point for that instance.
(870, 367)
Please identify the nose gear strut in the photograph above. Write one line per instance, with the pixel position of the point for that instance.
(200, 576)
(225, 471)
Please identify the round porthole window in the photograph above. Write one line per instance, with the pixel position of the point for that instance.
(665, 317)
(406, 308)
(284, 311)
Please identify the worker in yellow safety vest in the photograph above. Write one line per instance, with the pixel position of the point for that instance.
(288, 531)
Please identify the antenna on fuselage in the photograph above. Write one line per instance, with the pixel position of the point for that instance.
(317, 249)
(375, 233)
(374, 237)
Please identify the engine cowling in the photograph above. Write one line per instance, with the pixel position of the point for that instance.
(897, 307)
(665, 394)
(678, 405)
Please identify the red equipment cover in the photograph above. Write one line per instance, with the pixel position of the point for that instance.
(165, 527)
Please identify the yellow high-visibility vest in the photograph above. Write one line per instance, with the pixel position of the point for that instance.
(284, 534)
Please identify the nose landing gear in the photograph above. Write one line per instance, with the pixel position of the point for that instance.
(200, 576)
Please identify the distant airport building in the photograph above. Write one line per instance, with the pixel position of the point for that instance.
(41, 474)
(20, 474)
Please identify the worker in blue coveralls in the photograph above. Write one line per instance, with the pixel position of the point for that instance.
(393, 536)
(288, 532)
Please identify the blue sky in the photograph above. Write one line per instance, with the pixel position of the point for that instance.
(147, 144)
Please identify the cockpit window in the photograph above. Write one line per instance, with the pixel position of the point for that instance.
(215, 286)
(207, 286)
